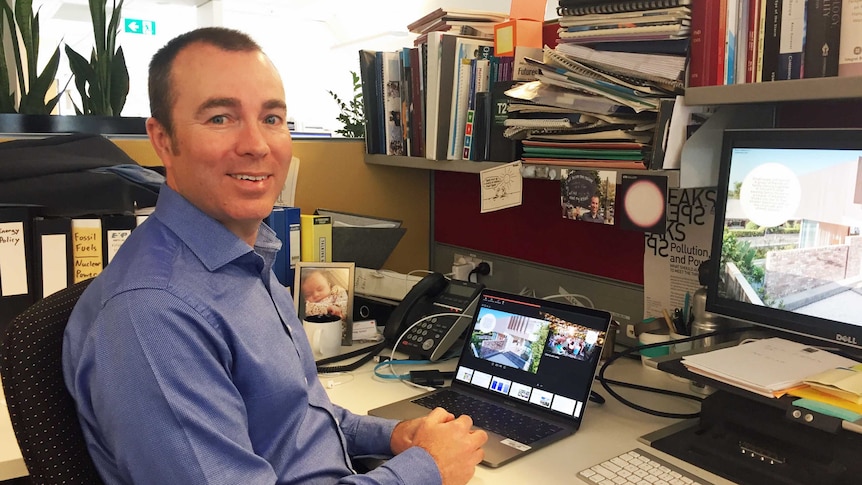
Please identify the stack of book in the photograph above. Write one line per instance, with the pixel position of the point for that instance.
(473, 23)
(590, 22)
(594, 109)
(749, 41)
(435, 100)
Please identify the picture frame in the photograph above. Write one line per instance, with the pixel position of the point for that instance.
(326, 288)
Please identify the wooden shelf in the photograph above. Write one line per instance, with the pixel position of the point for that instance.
(777, 91)
(542, 172)
(424, 163)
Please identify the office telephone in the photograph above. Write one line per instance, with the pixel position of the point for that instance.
(432, 338)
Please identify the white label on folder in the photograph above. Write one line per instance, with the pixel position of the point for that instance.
(115, 240)
(54, 264)
(294, 245)
(13, 260)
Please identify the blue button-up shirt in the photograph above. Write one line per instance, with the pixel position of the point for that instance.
(188, 365)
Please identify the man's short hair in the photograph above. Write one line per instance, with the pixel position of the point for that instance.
(159, 84)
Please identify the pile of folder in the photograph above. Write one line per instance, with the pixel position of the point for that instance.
(591, 109)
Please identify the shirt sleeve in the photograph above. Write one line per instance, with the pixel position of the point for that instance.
(162, 399)
(371, 435)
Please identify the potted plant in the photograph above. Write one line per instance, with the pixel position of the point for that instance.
(33, 88)
(103, 82)
(352, 114)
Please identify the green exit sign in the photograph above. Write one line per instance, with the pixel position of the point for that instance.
(139, 26)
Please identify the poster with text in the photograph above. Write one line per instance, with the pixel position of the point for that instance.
(672, 258)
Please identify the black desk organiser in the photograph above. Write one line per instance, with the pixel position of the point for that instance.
(751, 439)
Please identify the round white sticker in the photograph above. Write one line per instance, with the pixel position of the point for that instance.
(770, 194)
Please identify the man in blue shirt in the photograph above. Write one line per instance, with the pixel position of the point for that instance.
(185, 357)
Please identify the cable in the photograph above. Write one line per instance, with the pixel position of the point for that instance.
(370, 353)
(606, 383)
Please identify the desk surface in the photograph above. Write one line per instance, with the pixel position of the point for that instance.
(607, 429)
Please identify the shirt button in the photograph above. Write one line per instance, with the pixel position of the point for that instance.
(306, 381)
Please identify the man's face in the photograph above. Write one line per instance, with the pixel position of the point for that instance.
(594, 205)
(230, 148)
(315, 287)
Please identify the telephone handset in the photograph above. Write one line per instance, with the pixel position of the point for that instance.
(433, 337)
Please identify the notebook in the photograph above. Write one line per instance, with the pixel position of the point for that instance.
(524, 374)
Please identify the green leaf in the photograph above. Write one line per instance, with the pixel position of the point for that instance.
(119, 83)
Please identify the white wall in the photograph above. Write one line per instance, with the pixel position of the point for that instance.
(314, 44)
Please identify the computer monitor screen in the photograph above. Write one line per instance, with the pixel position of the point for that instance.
(787, 248)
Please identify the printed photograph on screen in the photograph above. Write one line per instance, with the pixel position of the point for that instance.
(572, 340)
(509, 340)
(792, 231)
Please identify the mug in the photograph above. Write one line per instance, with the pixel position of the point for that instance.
(324, 334)
(652, 337)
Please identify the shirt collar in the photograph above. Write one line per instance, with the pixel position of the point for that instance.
(207, 238)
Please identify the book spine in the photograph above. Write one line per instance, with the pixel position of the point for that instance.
(466, 50)
(417, 134)
(721, 44)
(753, 33)
(704, 34)
(791, 39)
(471, 112)
(406, 100)
(771, 40)
(392, 103)
(500, 148)
(573, 8)
(381, 107)
(850, 44)
(822, 34)
(731, 32)
(368, 73)
(293, 220)
(316, 238)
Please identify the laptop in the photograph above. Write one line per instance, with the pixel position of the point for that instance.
(524, 374)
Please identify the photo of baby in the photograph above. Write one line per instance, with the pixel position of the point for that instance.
(325, 291)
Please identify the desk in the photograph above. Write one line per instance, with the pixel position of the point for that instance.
(607, 430)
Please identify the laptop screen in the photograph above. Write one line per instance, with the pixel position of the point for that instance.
(540, 352)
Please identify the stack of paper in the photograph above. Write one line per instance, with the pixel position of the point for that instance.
(845, 383)
(769, 367)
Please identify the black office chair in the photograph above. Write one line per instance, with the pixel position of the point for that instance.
(42, 411)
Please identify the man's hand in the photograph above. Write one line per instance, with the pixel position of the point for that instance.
(451, 443)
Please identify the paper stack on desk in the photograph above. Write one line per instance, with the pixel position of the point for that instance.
(842, 382)
(769, 367)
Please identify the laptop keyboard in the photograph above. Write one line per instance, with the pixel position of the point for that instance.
(637, 467)
(490, 417)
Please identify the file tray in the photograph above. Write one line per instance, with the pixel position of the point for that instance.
(365, 240)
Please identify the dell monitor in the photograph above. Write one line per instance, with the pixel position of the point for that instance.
(787, 248)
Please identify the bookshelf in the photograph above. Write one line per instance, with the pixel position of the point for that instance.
(829, 88)
(544, 172)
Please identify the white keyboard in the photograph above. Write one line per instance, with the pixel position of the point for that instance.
(639, 468)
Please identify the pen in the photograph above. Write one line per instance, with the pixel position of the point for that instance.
(685, 311)
(667, 319)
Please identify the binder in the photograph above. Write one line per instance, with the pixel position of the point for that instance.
(116, 228)
(316, 238)
(86, 248)
(276, 222)
(16, 292)
(52, 255)
(293, 220)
